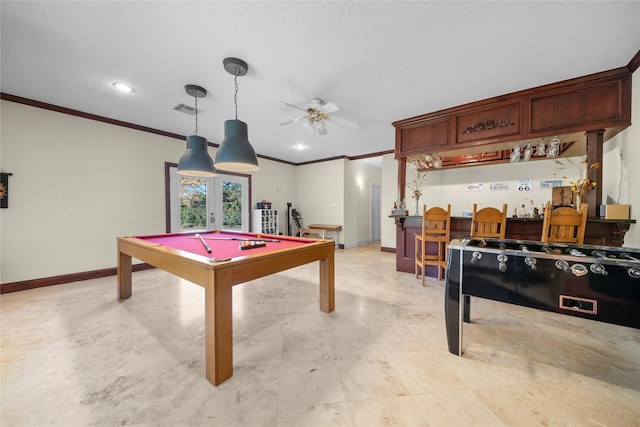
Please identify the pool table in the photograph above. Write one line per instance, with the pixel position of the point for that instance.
(185, 255)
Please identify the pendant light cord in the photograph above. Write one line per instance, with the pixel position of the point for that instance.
(235, 96)
(196, 98)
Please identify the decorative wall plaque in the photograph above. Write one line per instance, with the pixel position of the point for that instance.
(524, 184)
(4, 189)
(551, 183)
(499, 186)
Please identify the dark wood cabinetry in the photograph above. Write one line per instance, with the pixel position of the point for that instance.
(597, 105)
(481, 157)
(598, 101)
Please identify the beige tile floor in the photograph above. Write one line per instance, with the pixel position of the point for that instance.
(72, 355)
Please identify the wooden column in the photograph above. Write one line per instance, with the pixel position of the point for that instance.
(402, 176)
(595, 141)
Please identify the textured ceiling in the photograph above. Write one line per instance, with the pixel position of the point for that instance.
(378, 61)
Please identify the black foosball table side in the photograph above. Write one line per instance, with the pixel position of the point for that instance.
(452, 301)
(534, 279)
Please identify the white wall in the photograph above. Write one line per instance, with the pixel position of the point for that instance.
(623, 175)
(275, 183)
(76, 185)
(319, 193)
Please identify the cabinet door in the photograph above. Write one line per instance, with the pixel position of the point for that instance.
(450, 161)
(490, 155)
(468, 158)
(432, 136)
(480, 157)
(600, 104)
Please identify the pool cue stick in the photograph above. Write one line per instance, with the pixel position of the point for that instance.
(239, 238)
(204, 243)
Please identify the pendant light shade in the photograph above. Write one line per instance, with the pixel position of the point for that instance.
(196, 161)
(235, 152)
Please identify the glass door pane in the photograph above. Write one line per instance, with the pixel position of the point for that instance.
(193, 203)
(231, 203)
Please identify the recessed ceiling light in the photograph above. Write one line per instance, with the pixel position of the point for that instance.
(300, 147)
(122, 87)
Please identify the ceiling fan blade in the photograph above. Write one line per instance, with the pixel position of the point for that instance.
(297, 119)
(328, 108)
(343, 122)
(293, 106)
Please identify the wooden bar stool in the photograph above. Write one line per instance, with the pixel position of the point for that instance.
(564, 224)
(436, 223)
(489, 222)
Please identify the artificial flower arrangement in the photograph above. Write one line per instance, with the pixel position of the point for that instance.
(418, 180)
(416, 184)
(584, 182)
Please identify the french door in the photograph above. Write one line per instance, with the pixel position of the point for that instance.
(219, 202)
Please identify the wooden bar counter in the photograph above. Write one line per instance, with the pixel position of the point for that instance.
(604, 232)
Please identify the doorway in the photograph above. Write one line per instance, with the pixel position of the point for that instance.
(221, 202)
(376, 206)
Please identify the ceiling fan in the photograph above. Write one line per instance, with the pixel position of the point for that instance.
(317, 113)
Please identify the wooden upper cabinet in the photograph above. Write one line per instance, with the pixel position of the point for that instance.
(600, 105)
(433, 136)
(489, 123)
(597, 101)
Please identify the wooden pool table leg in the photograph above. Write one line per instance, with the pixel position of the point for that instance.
(327, 283)
(218, 326)
(124, 275)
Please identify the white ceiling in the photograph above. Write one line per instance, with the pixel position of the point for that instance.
(378, 61)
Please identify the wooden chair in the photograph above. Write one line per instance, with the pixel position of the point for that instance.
(564, 225)
(436, 223)
(489, 222)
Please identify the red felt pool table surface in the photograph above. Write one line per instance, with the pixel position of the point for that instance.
(184, 255)
(224, 244)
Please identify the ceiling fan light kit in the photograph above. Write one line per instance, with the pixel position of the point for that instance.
(196, 160)
(235, 152)
(317, 113)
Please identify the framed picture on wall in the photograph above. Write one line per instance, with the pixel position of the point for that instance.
(4, 190)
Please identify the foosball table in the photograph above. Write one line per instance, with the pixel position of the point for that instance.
(595, 282)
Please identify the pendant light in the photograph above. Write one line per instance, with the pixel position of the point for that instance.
(196, 161)
(235, 152)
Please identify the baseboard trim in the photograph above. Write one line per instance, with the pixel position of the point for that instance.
(65, 278)
(390, 250)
